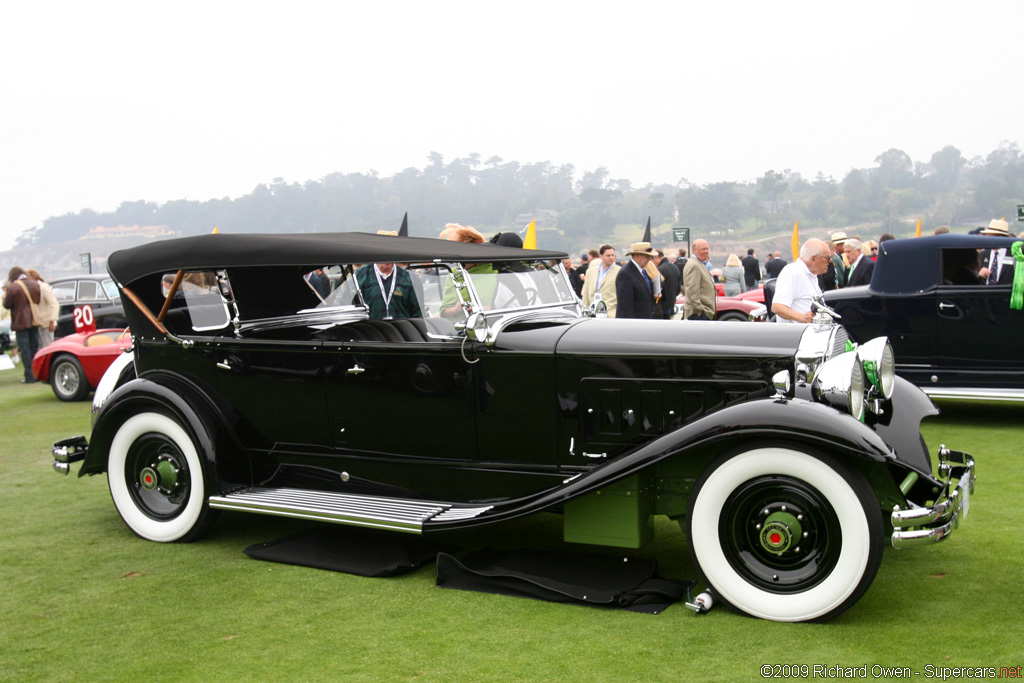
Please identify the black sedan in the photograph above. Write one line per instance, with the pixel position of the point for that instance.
(953, 335)
(98, 292)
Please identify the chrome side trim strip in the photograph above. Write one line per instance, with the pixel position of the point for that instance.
(974, 394)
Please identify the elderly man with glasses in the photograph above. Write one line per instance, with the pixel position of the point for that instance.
(797, 285)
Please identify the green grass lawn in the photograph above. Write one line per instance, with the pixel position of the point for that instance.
(83, 599)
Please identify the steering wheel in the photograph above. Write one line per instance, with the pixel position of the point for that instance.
(529, 297)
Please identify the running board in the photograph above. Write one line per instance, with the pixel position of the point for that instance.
(396, 514)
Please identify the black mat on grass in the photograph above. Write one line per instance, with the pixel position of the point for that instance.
(353, 550)
(580, 578)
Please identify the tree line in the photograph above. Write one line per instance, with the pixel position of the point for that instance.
(948, 189)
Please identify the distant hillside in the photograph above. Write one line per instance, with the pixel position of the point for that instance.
(575, 211)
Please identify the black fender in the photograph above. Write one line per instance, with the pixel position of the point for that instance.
(776, 419)
(900, 425)
(164, 393)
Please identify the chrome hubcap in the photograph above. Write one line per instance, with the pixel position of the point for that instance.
(67, 379)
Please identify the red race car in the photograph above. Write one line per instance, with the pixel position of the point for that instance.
(74, 364)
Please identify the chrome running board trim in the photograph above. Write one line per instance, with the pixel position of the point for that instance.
(973, 394)
(396, 514)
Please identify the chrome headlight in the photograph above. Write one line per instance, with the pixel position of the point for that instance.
(760, 313)
(879, 364)
(840, 382)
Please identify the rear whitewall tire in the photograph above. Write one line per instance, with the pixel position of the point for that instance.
(847, 504)
(176, 516)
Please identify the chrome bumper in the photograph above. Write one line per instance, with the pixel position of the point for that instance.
(925, 525)
(67, 451)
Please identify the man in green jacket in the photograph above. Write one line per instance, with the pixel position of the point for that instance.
(388, 291)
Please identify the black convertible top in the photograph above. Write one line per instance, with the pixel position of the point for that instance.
(914, 264)
(306, 249)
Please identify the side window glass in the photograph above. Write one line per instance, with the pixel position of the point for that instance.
(199, 294)
(960, 267)
(65, 292)
(111, 289)
(89, 290)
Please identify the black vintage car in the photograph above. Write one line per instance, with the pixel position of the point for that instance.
(953, 335)
(98, 292)
(788, 455)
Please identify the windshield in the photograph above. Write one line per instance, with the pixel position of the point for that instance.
(522, 285)
(441, 293)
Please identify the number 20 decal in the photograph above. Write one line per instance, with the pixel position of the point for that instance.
(84, 317)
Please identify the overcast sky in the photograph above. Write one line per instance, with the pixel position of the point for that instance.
(104, 102)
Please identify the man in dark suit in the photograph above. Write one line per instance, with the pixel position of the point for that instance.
(751, 270)
(861, 267)
(774, 267)
(670, 285)
(634, 288)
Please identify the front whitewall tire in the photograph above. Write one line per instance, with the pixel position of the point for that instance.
(187, 516)
(859, 551)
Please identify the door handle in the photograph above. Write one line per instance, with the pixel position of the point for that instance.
(356, 370)
(943, 306)
(224, 366)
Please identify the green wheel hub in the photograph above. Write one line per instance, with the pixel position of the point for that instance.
(161, 475)
(780, 531)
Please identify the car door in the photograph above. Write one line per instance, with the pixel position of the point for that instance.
(399, 399)
(276, 392)
(977, 337)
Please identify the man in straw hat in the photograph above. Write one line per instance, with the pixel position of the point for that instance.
(996, 264)
(839, 261)
(698, 285)
(634, 287)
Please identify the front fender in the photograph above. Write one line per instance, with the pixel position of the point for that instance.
(170, 395)
(794, 420)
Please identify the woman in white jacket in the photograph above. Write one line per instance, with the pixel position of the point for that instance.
(48, 308)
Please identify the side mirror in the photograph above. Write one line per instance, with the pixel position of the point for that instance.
(598, 309)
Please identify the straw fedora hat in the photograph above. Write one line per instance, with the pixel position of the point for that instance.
(997, 227)
(838, 237)
(643, 248)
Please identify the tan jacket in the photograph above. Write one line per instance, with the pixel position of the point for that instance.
(699, 289)
(49, 307)
(607, 287)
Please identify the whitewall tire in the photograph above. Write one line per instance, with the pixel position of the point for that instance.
(155, 476)
(785, 535)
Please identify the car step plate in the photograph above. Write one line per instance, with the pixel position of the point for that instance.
(397, 514)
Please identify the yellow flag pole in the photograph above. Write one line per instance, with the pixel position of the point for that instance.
(796, 240)
(530, 241)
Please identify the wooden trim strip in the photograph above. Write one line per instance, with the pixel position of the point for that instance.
(170, 295)
(142, 307)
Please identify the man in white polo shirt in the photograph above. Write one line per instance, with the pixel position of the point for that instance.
(797, 285)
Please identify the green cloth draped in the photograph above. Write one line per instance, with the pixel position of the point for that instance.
(1017, 295)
